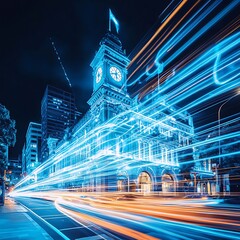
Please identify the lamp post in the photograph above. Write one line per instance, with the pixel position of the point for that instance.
(218, 180)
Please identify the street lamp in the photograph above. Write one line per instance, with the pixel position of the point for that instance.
(219, 134)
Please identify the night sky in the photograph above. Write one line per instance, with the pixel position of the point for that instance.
(28, 61)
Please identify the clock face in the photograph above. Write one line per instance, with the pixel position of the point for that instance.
(116, 74)
(99, 75)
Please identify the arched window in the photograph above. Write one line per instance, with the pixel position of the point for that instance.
(167, 183)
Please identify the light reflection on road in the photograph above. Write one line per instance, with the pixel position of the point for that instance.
(149, 217)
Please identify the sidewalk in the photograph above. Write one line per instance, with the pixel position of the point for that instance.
(15, 223)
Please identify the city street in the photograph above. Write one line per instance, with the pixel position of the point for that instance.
(65, 215)
(120, 120)
(51, 221)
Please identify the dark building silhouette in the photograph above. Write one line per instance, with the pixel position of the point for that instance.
(58, 112)
(14, 172)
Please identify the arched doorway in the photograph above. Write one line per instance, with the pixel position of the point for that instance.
(145, 182)
(167, 183)
(122, 185)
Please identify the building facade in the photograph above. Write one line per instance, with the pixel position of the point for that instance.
(121, 143)
(14, 172)
(58, 113)
(23, 157)
(32, 147)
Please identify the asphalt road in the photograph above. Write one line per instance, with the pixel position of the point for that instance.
(144, 226)
(58, 225)
(109, 221)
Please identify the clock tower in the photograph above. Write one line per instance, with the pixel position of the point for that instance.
(109, 79)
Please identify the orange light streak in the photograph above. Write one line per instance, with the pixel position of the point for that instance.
(105, 224)
(167, 35)
(159, 30)
(189, 58)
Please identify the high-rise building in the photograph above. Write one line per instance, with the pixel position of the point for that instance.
(32, 146)
(58, 112)
(23, 156)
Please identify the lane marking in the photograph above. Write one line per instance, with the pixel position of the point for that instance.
(49, 218)
(97, 237)
(48, 224)
(65, 229)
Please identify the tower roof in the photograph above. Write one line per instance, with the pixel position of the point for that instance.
(112, 41)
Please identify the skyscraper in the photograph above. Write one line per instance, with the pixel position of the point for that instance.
(32, 146)
(23, 156)
(58, 112)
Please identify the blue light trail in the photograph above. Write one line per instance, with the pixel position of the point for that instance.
(152, 132)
